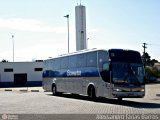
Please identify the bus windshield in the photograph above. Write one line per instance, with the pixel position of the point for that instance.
(129, 73)
(127, 66)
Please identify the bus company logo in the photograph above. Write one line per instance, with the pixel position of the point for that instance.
(74, 73)
(4, 116)
(9, 117)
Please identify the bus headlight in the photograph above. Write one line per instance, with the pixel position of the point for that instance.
(142, 90)
(117, 90)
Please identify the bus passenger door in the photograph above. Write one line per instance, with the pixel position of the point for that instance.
(108, 90)
(106, 75)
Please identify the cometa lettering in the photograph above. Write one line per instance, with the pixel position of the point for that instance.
(73, 73)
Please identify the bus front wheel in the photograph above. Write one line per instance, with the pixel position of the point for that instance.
(120, 99)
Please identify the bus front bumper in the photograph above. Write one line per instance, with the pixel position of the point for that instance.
(140, 94)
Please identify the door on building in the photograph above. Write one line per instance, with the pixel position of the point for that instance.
(20, 79)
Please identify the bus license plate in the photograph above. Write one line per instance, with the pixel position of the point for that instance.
(131, 94)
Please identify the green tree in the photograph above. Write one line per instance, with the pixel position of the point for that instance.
(153, 61)
(4, 60)
(147, 60)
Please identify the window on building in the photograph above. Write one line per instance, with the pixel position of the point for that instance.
(38, 69)
(8, 70)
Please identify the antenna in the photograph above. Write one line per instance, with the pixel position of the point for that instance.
(80, 2)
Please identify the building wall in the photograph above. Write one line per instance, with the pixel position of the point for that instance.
(33, 71)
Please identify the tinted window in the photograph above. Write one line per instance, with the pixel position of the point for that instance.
(81, 60)
(56, 63)
(50, 64)
(72, 61)
(125, 56)
(64, 62)
(102, 58)
(92, 59)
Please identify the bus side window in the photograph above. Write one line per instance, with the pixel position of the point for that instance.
(92, 59)
(102, 58)
(64, 62)
(81, 60)
(72, 61)
(56, 64)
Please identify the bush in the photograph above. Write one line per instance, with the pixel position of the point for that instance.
(152, 74)
(156, 72)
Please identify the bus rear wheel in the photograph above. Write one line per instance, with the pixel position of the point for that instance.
(91, 93)
(54, 91)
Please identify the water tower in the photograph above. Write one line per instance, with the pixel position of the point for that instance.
(80, 14)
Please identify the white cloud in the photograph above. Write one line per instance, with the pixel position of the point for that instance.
(31, 25)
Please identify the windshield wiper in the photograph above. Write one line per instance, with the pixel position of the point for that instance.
(130, 74)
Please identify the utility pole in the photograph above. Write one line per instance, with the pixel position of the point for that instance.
(144, 47)
(144, 55)
(67, 16)
(13, 46)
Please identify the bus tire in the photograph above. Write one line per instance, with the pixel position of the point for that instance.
(54, 91)
(120, 99)
(91, 92)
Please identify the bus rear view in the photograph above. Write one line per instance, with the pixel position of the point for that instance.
(127, 74)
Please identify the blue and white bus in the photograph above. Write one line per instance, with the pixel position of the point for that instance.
(113, 73)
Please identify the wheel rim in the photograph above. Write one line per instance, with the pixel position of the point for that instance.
(54, 90)
(92, 93)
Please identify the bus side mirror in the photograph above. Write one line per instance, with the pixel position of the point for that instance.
(106, 67)
(105, 72)
(110, 67)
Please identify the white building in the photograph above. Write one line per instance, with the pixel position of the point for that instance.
(157, 65)
(21, 73)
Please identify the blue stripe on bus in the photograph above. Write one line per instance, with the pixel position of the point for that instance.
(72, 72)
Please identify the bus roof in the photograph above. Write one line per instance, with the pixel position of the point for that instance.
(89, 50)
(78, 52)
(122, 50)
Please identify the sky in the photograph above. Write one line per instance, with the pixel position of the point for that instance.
(40, 28)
